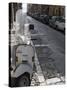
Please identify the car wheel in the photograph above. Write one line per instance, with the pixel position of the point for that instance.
(24, 80)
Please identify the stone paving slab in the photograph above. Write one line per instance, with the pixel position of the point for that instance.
(53, 80)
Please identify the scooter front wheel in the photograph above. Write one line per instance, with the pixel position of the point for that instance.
(23, 81)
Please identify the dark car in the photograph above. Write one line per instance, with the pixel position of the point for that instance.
(36, 16)
(52, 21)
(41, 18)
(45, 18)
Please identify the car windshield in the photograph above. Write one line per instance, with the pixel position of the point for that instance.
(60, 20)
(54, 18)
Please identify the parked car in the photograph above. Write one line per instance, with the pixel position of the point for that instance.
(60, 24)
(36, 16)
(41, 18)
(52, 21)
(44, 18)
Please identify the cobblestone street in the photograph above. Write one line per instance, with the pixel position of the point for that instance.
(49, 46)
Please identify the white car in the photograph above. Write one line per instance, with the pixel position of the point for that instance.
(60, 24)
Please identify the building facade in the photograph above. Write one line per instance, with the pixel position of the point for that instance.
(51, 10)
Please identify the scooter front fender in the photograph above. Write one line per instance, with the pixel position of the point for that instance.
(21, 69)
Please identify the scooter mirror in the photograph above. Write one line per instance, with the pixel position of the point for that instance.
(31, 27)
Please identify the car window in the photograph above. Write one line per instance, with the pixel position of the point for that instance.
(61, 20)
(54, 18)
